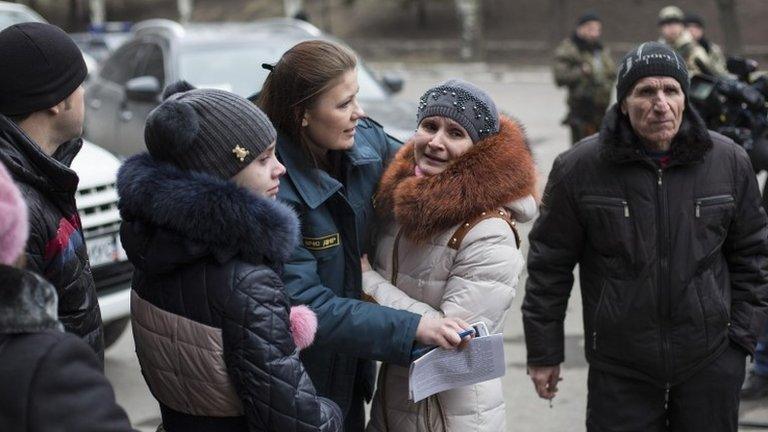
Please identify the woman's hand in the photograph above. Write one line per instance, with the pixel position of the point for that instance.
(364, 264)
(443, 332)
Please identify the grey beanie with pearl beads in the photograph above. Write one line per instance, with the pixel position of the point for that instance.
(463, 102)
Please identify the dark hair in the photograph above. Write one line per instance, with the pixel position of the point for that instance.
(303, 73)
(695, 19)
(18, 118)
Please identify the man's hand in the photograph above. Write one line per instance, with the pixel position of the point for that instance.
(545, 379)
(443, 332)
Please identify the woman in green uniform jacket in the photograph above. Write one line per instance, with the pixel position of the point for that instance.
(334, 158)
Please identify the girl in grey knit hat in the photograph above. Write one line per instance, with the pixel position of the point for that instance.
(217, 339)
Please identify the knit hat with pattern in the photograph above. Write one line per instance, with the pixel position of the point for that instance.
(464, 103)
(650, 59)
(207, 130)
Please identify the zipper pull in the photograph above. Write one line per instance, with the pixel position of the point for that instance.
(659, 176)
(698, 209)
(667, 386)
(626, 209)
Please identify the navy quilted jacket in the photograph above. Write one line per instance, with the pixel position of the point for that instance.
(206, 252)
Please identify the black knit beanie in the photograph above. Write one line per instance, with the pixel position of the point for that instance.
(463, 102)
(40, 67)
(650, 59)
(207, 130)
(587, 17)
(693, 18)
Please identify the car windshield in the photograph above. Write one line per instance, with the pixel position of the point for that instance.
(9, 18)
(238, 69)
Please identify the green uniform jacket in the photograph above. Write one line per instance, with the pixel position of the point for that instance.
(324, 271)
(695, 55)
(589, 74)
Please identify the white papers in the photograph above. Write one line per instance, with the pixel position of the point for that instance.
(440, 370)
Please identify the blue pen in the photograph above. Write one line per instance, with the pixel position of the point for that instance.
(418, 352)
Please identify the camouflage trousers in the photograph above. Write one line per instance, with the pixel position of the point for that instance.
(582, 130)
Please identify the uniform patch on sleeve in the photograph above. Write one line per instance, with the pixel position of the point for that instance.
(321, 243)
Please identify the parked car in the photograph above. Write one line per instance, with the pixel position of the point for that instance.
(226, 56)
(97, 204)
(100, 41)
(12, 13)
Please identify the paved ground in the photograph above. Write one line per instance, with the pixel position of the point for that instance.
(528, 95)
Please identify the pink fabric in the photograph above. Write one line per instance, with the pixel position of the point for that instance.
(14, 227)
(303, 326)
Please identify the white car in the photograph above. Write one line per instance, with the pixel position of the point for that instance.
(97, 204)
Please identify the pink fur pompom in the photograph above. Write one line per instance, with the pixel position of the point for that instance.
(13, 220)
(303, 326)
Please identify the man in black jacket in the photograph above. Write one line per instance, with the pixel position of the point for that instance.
(41, 120)
(665, 221)
(49, 380)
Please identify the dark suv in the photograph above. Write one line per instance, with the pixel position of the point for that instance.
(224, 56)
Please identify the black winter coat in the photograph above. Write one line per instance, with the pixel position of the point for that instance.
(672, 262)
(205, 252)
(49, 380)
(56, 247)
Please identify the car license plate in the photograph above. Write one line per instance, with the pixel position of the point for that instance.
(104, 250)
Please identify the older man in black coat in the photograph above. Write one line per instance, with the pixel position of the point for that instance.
(665, 221)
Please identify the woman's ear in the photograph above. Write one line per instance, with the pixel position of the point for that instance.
(623, 107)
(301, 113)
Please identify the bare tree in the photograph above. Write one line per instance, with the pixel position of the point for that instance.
(293, 7)
(558, 12)
(98, 12)
(77, 17)
(185, 8)
(729, 22)
(421, 12)
(471, 29)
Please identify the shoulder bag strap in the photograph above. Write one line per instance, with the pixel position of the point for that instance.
(466, 227)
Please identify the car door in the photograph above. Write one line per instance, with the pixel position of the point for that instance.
(133, 114)
(104, 96)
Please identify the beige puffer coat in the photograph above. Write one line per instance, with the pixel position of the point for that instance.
(475, 282)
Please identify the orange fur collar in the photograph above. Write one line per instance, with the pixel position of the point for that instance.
(492, 173)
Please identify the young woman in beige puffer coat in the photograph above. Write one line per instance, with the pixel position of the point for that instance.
(448, 245)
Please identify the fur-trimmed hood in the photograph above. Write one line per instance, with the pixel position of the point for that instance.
(495, 171)
(198, 215)
(28, 303)
(620, 144)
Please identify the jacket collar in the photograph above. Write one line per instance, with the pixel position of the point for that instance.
(619, 144)
(583, 45)
(497, 170)
(204, 214)
(314, 185)
(29, 164)
(28, 303)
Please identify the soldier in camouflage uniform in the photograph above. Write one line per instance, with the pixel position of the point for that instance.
(585, 67)
(694, 23)
(674, 34)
